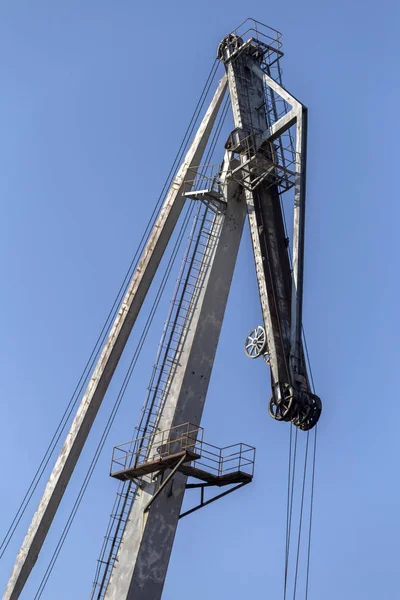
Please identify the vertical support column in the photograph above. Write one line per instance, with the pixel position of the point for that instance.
(141, 566)
(300, 117)
(296, 350)
(246, 87)
(271, 316)
(110, 356)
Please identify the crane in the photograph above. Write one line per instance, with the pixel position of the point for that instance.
(263, 157)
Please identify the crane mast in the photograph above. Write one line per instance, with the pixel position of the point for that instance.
(264, 156)
(266, 166)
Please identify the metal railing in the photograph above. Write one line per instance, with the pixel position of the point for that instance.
(260, 32)
(273, 163)
(156, 446)
(229, 459)
(204, 177)
(183, 438)
(269, 48)
(194, 269)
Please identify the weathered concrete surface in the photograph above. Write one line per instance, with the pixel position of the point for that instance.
(110, 356)
(142, 561)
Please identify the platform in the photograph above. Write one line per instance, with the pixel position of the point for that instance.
(182, 448)
(162, 463)
(217, 480)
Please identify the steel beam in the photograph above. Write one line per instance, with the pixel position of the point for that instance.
(283, 332)
(247, 94)
(298, 115)
(110, 355)
(280, 126)
(141, 565)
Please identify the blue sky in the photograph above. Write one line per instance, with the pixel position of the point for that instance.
(95, 99)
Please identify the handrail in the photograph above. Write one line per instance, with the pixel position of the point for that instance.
(179, 439)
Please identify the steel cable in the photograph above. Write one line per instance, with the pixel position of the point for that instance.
(127, 378)
(311, 512)
(305, 347)
(143, 427)
(290, 513)
(123, 504)
(301, 516)
(312, 471)
(110, 317)
(115, 408)
(291, 485)
(288, 516)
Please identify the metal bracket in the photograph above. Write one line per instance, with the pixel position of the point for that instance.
(210, 198)
(164, 483)
(202, 503)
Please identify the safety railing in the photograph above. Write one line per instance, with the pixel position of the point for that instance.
(156, 446)
(184, 438)
(268, 46)
(265, 40)
(204, 177)
(273, 163)
(257, 30)
(230, 459)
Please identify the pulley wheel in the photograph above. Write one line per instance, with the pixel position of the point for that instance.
(309, 414)
(256, 342)
(281, 410)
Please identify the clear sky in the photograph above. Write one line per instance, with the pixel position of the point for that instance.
(95, 99)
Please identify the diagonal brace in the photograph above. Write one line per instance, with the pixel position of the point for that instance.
(164, 483)
(202, 503)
